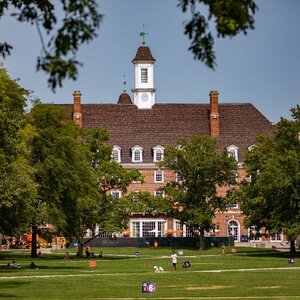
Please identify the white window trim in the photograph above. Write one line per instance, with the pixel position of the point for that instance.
(144, 76)
(137, 148)
(141, 221)
(118, 149)
(238, 229)
(235, 149)
(162, 176)
(163, 194)
(155, 150)
(115, 192)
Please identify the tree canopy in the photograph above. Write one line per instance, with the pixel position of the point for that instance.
(16, 181)
(270, 199)
(201, 167)
(81, 19)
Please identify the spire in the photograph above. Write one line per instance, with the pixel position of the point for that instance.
(124, 84)
(143, 33)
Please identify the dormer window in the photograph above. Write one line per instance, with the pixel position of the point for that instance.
(158, 152)
(144, 75)
(116, 154)
(137, 154)
(233, 151)
(252, 147)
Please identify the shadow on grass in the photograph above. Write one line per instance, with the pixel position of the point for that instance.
(270, 253)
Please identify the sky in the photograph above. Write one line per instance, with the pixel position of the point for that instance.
(262, 68)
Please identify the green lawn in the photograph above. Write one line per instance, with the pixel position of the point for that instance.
(247, 274)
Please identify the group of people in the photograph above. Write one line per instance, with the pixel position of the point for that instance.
(14, 265)
(90, 254)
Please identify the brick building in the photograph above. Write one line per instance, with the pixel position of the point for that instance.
(140, 129)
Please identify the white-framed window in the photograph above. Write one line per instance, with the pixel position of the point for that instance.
(181, 229)
(144, 75)
(254, 234)
(147, 227)
(137, 154)
(116, 153)
(158, 176)
(250, 148)
(233, 206)
(233, 151)
(136, 196)
(116, 194)
(233, 229)
(158, 153)
(276, 237)
(159, 193)
(178, 178)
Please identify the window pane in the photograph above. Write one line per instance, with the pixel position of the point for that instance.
(144, 75)
(137, 155)
(115, 155)
(158, 176)
(148, 229)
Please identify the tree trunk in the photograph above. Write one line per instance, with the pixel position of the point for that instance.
(79, 249)
(292, 247)
(34, 228)
(201, 239)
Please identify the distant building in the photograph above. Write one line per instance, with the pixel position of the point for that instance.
(140, 129)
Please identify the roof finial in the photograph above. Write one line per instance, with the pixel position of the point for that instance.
(124, 83)
(143, 33)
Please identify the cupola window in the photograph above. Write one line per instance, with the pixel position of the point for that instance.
(144, 75)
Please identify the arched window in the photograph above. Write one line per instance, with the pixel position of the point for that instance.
(233, 151)
(158, 153)
(116, 154)
(233, 229)
(137, 154)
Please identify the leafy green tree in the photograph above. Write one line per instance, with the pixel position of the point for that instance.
(78, 25)
(65, 181)
(230, 17)
(81, 19)
(270, 200)
(16, 181)
(202, 167)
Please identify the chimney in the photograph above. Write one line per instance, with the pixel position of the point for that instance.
(214, 114)
(77, 115)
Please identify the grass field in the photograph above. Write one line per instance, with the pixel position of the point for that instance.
(247, 274)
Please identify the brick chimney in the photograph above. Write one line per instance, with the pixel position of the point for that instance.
(214, 114)
(77, 115)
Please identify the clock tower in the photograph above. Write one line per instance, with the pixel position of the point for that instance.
(143, 92)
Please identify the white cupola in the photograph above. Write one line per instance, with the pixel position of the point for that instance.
(144, 91)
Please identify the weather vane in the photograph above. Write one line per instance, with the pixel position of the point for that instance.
(124, 83)
(143, 33)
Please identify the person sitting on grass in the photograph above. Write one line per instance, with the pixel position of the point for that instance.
(33, 266)
(13, 265)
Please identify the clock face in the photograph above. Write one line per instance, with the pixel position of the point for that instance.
(144, 97)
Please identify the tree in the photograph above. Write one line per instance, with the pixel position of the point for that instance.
(231, 17)
(81, 20)
(66, 183)
(100, 208)
(270, 200)
(79, 25)
(16, 181)
(202, 167)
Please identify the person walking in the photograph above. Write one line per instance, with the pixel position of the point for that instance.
(174, 260)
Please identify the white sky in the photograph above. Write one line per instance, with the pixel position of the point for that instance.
(262, 68)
